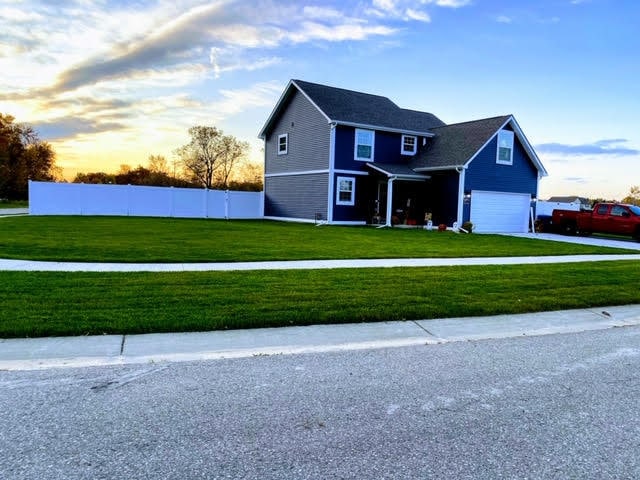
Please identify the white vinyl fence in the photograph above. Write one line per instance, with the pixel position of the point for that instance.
(47, 198)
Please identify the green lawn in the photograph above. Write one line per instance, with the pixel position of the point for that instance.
(52, 303)
(131, 239)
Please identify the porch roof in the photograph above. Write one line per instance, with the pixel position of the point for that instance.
(399, 171)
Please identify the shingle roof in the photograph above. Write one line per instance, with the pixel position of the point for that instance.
(396, 170)
(348, 106)
(453, 145)
(570, 199)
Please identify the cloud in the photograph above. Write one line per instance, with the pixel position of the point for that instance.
(503, 19)
(231, 59)
(417, 15)
(170, 43)
(450, 3)
(237, 100)
(578, 180)
(406, 10)
(322, 13)
(65, 128)
(614, 146)
(201, 33)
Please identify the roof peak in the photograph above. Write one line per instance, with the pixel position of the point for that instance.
(477, 120)
(298, 81)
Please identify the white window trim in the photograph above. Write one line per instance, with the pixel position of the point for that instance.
(510, 135)
(355, 145)
(351, 202)
(286, 144)
(415, 145)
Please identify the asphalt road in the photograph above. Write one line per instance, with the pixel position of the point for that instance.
(552, 407)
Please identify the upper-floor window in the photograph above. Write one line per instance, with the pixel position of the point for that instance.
(505, 147)
(409, 144)
(283, 144)
(363, 149)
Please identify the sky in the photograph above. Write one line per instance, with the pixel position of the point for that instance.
(111, 82)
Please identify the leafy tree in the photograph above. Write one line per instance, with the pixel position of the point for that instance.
(210, 157)
(23, 156)
(633, 197)
(95, 177)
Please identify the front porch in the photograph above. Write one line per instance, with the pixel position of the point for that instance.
(415, 198)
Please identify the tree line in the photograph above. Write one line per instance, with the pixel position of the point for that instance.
(23, 156)
(211, 159)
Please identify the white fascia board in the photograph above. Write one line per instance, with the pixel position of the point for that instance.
(399, 176)
(411, 178)
(283, 97)
(466, 165)
(527, 146)
(523, 141)
(351, 172)
(379, 169)
(383, 129)
(311, 101)
(291, 174)
(275, 110)
(439, 169)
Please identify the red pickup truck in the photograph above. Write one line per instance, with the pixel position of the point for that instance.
(613, 218)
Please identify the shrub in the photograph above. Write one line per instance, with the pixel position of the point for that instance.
(468, 226)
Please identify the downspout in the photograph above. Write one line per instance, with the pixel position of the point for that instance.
(461, 176)
(331, 179)
(389, 200)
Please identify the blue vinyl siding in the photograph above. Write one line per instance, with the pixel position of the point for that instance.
(308, 139)
(485, 174)
(386, 149)
(296, 196)
(443, 195)
(357, 212)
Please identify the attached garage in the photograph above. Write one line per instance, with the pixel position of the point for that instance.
(500, 212)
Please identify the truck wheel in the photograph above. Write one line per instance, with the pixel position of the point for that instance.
(636, 235)
(570, 228)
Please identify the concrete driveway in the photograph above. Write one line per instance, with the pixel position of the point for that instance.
(596, 241)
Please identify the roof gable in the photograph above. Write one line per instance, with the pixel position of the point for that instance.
(456, 145)
(348, 107)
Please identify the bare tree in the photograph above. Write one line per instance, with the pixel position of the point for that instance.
(200, 156)
(233, 152)
(158, 164)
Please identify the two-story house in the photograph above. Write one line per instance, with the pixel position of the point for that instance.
(348, 157)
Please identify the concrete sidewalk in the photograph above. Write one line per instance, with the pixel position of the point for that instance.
(7, 212)
(37, 266)
(40, 353)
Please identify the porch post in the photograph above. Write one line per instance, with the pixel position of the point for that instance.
(389, 200)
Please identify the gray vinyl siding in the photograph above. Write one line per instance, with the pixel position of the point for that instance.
(296, 196)
(309, 138)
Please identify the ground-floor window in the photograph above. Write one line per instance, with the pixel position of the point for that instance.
(346, 191)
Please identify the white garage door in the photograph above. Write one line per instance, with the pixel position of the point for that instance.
(500, 212)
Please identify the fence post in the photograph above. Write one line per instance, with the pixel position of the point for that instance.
(206, 202)
(171, 201)
(226, 204)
